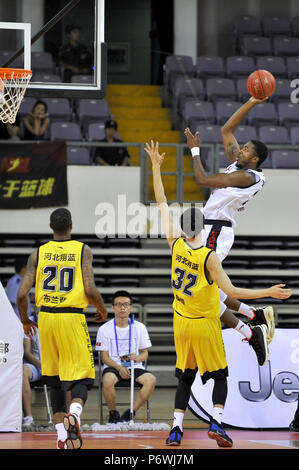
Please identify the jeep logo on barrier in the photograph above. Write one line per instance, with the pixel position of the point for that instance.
(283, 382)
(258, 396)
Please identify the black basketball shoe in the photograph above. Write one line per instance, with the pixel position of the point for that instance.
(259, 343)
(264, 316)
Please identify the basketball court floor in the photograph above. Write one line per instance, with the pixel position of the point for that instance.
(161, 407)
(193, 439)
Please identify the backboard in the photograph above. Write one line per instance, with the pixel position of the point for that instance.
(62, 42)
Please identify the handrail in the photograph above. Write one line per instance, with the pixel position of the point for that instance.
(144, 162)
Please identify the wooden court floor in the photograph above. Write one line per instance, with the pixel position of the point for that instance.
(193, 439)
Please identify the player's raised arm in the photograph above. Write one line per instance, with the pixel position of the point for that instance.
(171, 230)
(217, 180)
(219, 276)
(229, 141)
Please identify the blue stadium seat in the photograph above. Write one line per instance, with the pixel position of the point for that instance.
(220, 89)
(273, 64)
(65, 131)
(225, 109)
(293, 67)
(294, 134)
(288, 114)
(78, 156)
(285, 158)
(282, 90)
(242, 91)
(263, 114)
(256, 46)
(274, 135)
(210, 66)
(199, 111)
(274, 25)
(286, 46)
(239, 66)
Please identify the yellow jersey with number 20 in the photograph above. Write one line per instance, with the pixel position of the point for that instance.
(59, 280)
(194, 295)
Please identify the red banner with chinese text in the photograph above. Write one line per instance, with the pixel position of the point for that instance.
(33, 175)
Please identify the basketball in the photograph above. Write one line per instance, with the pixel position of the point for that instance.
(261, 84)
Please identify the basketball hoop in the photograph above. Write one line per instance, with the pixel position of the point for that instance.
(13, 84)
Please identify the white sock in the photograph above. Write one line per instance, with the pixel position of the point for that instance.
(76, 408)
(61, 432)
(217, 414)
(243, 329)
(246, 310)
(178, 418)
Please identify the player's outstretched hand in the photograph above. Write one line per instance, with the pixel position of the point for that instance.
(153, 151)
(192, 140)
(277, 292)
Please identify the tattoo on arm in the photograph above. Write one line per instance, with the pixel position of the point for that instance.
(88, 280)
(29, 276)
(87, 271)
(233, 149)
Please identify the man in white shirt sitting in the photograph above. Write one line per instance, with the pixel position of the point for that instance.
(121, 341)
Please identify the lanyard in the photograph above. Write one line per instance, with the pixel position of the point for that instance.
(116, 339)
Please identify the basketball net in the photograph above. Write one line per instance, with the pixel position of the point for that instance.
(13, 84)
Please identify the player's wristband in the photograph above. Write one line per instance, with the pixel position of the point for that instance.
(195, 151)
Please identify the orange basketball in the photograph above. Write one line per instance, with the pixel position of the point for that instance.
(261, 84)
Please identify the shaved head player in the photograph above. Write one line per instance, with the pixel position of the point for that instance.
(64, 286)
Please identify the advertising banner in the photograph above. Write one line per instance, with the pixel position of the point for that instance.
(258, 397)
(11, 367)
(33, 175)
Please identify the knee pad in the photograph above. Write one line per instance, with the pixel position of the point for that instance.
(79, 390)
(58, 402)
(187, 376)
(182, 395)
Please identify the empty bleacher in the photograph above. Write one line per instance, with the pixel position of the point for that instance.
(142, 266)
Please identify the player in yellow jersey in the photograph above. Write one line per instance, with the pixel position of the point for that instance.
(197, 275)
(64, 286)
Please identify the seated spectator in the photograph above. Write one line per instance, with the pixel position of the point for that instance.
(13, 285)
(31, 373)
(37, 122)
(111, 155)
(113, 340)
(10, 131)
(74, 57)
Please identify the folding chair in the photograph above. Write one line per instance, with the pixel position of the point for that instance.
(124, 385)
(38, 385)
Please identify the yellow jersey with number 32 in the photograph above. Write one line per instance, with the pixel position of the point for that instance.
(59, 279)
(194, 295)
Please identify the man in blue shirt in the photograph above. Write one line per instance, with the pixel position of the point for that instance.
(14, 283)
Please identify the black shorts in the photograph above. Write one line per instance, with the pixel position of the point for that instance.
(137, 373)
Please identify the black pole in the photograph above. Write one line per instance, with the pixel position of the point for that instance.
(44, 29)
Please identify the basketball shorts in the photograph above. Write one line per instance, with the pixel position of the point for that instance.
(66, 350)
(137, 373)
(199, 343)
(219, 238)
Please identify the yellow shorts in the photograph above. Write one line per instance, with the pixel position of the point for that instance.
(199, 343)
(66, 349)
